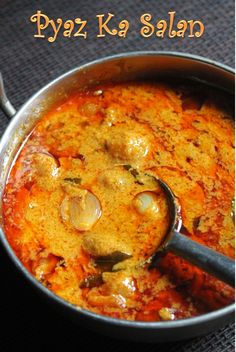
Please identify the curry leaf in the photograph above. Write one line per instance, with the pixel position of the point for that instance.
(92, 281)
(107, 262)
(76, 180)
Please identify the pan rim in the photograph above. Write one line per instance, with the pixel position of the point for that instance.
(194, 321)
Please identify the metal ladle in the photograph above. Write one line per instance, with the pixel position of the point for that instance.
(212, 262)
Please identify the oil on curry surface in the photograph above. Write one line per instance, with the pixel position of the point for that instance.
(83, 212)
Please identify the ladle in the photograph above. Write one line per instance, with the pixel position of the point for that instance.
(212, 262)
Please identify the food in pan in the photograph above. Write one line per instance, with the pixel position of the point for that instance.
(84, 213)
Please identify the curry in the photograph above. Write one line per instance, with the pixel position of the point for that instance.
(84, 213)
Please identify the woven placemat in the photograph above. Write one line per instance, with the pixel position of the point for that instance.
(27, 64)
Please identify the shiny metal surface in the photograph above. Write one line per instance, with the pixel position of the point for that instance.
(5, 103)
(123, 67)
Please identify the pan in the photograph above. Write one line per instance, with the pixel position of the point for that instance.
(118, 68)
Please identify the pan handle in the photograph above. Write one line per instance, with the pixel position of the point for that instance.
(202, 256)
(5, 103)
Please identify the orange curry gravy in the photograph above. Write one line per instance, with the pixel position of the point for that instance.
(83, 212)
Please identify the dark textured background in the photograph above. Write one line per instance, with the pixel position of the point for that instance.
(27, 64)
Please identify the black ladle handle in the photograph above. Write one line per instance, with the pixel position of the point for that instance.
(203, 257)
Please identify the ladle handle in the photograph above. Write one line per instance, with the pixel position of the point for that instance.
(5, 103)
(203, 257)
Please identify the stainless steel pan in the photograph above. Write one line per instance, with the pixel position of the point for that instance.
(136, 65)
